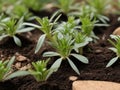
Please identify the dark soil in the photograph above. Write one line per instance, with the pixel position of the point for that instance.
(97, 53)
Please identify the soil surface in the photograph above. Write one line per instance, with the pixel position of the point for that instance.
(97, 53)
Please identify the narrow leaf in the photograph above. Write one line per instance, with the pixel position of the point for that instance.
(11, 62)
(3, 36)
(81, 58)
(50, 54)
(17, 74)
(25, 30)
(17, 41)
(73, 66)
(54, 16)
(113, 49)
(56, 64)
(112, 61)
(32, 25)
(40, 42)
(19, 24)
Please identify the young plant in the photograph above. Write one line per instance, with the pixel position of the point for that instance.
(46, 26)
(71, 28)
(99, 9)
(6, 71)
(85, 11)
(67, 6)
(11, 27)
(67, 28)
(88, 25)
(115, 49)
(63, 47)
(40, 71)
(20, 10)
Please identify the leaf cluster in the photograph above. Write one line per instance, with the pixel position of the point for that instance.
(40, 71)
(99, 8)
(6, 71)
(11, 27)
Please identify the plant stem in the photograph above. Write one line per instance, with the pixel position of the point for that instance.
(81, 51)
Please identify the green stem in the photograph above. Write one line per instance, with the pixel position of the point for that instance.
(81, 51)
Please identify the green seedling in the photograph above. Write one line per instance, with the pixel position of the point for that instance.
(40, 71)
(67, 6)
(20, 10)
(88, 25)
(46, 26)
(115, 49)
(11, 27)
(6, 71)
(71, 28)
(86, 11)
(63, 47)
(67, 28)
(99, 9)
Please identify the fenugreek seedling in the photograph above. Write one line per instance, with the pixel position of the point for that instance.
(46, 26)
(88, 25)
(16, 9)
(67, 28)
(99, 9)
(71, 28)
(40, 71)
(115, 49)
(63, 47)
(20, 10)
(85, 11)
(67, 6)
(6, 71)
(11, 27)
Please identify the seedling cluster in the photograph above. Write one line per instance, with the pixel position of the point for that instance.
(67, 38)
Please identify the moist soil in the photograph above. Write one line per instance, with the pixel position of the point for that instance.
(97, 53)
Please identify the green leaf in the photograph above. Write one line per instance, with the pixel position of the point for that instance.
(81, 58)
(55, 14)
(25, 30)
(5, 20)
(32, 25)
(73, 66)
(17, 41)
(40, 42)
(113, 49)
(17, 74)
(11, 61)
(101, 25)
(50, 54)
(19, 24)
(3, 36)
(112, 61)
(56, 64)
